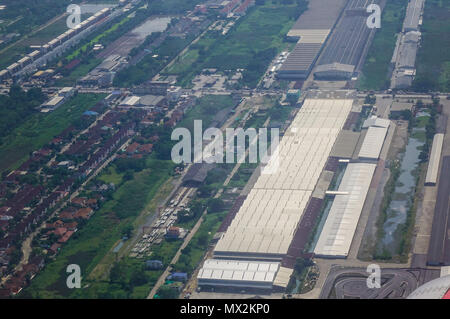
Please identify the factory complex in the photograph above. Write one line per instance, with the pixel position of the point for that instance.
(272, 218)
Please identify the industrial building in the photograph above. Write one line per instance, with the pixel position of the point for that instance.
(376, 121)
(265, 224)
(345, 49)
(373, 143)
(310, 32)
(339, 228)
(413, 15)
(250, 252)
(53, 103)
(300, 61)
(146, 101)
(405, 57)
(58, 99)
(28, 59)
(103, 74)
(435, 158)
(407, 45)
(244, 274)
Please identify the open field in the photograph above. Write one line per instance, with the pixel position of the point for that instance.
(433, 61)
(375, 75)
(40, 128)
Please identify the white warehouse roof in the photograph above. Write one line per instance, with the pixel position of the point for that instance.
(435, 157)
(228, 273)
(340, 226)
(264, 226)
(132, 100)
(373, 142)
(376, 121)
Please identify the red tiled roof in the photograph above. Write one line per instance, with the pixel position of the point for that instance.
(132, 148)
(66, 215)
(84, 213)
(66, 236)
(146, 148)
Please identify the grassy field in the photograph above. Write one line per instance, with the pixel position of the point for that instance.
(205, 110)
(433, 61)
(149, 66)
(194, 251)
(90, 244)
(375, 75)
(41, 128)
(251, 44)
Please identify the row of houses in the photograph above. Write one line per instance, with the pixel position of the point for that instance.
(33, 56)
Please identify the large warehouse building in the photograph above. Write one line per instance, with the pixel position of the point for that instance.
(264, 226)
(311, 31)
(435, 158)
(337, 233)
(346, 47)
(227, 273)
(373, 143)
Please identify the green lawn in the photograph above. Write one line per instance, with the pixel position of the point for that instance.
(205, 110)
(433, 60)
(41, 128)
(376, 68)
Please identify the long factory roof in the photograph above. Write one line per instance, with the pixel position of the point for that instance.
(340, 226)
(350, 35)
(302, 57)
(265, 224)
(373, 142)
(435, 158)
(312, 29)
(320, 15)
(413, 13)
(231, 272)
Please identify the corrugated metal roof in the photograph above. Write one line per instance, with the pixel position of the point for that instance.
(340, 226)
(231, 272)
(267, 219)
(376, 121)
(373, 142)
(413, 12)
(435, 157)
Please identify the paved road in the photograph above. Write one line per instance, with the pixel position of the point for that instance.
(166, 273)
